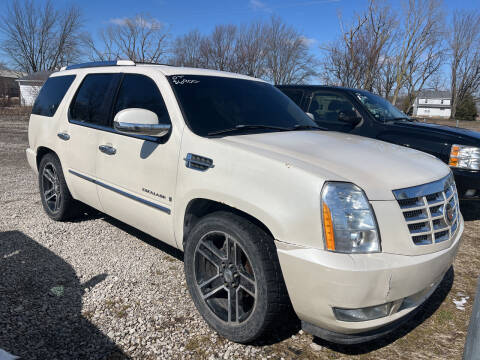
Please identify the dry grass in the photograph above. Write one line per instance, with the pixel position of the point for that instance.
(471, 125)
(117, 308)
(16, 111)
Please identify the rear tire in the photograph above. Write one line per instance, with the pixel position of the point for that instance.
(234, 277)
(56, 198)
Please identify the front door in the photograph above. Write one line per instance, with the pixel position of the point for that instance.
(136, 174)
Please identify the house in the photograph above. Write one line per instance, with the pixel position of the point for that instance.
(432, 104)
(30, 86)
(8, 86)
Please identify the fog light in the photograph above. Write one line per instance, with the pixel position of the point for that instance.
(363, 314)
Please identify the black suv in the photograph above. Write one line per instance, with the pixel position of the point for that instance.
(362, 113)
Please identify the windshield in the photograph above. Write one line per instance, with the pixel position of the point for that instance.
(380, 108)
(213, 104)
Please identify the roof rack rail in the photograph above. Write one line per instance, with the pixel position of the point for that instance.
(99, 64)
(151, 63)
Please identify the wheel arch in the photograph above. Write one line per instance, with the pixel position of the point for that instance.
(41, 152)
(198, 208)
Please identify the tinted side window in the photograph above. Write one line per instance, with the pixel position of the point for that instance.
(295, 95)
(139, 91)
(93, 101)
(326, 107)
(51, 95)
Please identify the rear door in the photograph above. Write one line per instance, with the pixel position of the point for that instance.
(89, 113)
(136, 179)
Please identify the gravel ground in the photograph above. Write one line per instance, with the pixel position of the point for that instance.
(99, 289)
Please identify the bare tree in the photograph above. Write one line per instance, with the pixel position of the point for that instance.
(250, 49)
(420, 72)
(96, 52)
(464, 45)
(437, 81)
(385, 79)
(217, 50)
(139, 38)
(387, 54)
(272, 50)
(358, 56)
(220, 48)
(288, 60)
(188, 50)
(421, 36)
(342, 64)
(38, 37)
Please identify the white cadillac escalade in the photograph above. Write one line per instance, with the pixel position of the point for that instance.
(271, 211)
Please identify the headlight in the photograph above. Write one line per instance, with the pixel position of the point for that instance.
(465, 157)
(349, 224)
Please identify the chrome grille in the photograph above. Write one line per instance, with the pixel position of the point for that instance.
(431, 210)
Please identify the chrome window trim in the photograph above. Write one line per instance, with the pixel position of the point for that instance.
(121, 192)
(114, 131)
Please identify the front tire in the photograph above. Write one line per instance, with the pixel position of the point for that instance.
(56, 198)
(234, 277)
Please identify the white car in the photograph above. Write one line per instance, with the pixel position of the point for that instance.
(270, 210)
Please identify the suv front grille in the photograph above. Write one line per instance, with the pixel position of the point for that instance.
(431, 210)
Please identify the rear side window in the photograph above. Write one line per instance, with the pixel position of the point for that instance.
(295, 95)
(139, 91)
(51, 95)
(93, 102)
(326, 107)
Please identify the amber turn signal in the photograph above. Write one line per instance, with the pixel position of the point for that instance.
(453, 162)
(328, 228)
(455, 151)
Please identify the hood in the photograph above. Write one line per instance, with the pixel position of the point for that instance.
(466, 137)
(376, 166)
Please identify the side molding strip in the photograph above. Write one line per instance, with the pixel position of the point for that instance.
(121, 192)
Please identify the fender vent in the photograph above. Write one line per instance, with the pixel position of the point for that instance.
(198, 162)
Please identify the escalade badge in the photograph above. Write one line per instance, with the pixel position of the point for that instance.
(161, 196)
(449, 214)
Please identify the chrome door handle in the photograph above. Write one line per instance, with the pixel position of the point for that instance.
(107, 149)
(64, 136)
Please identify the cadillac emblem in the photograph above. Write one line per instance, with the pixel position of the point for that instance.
(449, 214)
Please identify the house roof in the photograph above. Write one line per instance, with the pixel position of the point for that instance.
(40, 76)
(10, 73)
(434, 94)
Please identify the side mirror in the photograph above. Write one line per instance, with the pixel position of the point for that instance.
(139, 122)
(310, 115)
(353, 120)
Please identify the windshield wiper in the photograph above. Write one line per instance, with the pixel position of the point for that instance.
(308, 127)
(247, 127)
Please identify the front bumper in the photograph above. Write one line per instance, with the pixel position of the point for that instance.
(319, 280)
(467, 180)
